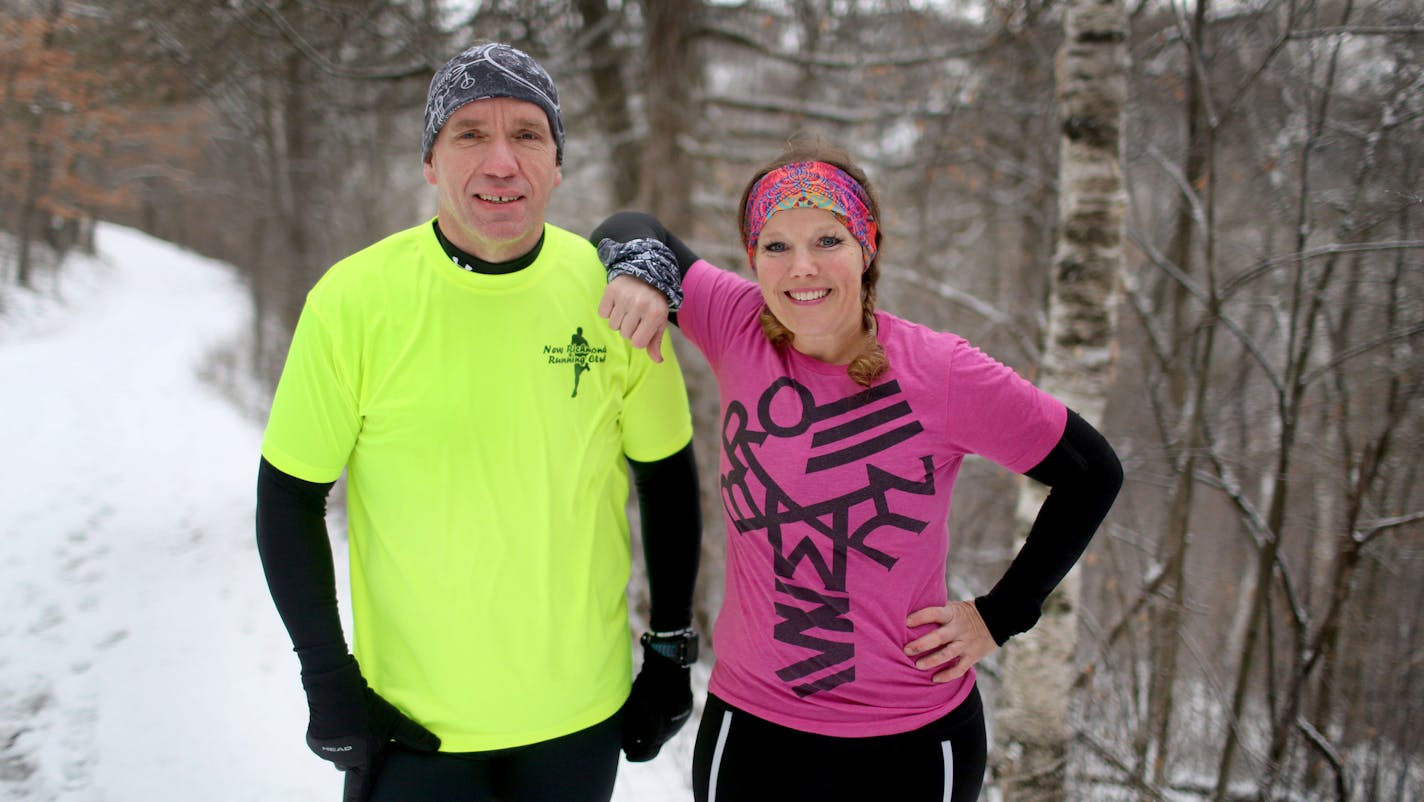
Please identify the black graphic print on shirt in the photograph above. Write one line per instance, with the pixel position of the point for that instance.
(803, 526)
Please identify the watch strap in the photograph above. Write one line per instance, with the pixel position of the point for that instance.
(679, 646)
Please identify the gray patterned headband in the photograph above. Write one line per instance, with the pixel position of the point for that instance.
(485, 71)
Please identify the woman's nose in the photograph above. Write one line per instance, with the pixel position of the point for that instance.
(802, 264)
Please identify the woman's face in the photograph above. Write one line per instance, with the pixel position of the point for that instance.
(809, 267)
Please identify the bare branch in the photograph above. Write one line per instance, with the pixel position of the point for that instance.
(1258, 526)
(1350, 353)
(1366, 534)
(1184, 186)
(964, 299)
(1328, 751)
(1331, 249)
(944, 290)
(1122, 765)
(1156, 341)
(1164, 264)
(1361, 30)
(1150, 588)
(855, 62)
(831, 112)
(330, 67)
(828, 112)
(1232, 105)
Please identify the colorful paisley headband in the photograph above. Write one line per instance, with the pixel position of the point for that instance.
(815, 185)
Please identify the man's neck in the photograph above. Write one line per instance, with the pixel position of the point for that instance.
(474, 264)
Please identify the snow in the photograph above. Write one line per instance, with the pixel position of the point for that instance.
(140, 655)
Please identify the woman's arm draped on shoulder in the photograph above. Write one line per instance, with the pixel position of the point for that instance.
(646, 264)
(1084, 476)
(672, 535)
(296, 557)
(625, 227)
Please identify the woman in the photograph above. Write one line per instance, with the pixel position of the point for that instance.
(843, 671)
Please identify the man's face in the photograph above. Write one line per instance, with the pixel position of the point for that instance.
(494, 166)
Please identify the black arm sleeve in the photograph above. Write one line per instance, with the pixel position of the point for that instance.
(672, 535)
(1084, 476)
(628, 226)
(296, 557)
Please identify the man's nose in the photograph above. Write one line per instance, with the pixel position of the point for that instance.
(500, 160)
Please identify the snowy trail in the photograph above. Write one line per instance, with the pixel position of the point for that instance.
(140, 656)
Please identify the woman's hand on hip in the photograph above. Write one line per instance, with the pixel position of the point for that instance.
(959, 640)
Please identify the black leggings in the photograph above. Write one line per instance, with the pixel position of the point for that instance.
(579, 767)
(742, 758)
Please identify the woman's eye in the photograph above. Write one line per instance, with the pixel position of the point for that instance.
(774, 247)
(831, 241)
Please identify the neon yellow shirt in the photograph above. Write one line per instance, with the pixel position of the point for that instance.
(482, 421)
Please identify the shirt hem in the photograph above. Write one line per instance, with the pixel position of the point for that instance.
(869, 727)
(457, 743)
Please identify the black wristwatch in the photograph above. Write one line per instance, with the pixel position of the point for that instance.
(679, 647)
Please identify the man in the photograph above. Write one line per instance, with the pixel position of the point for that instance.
(488, 538)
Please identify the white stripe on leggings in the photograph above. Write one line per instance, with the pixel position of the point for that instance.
(717, 755)
(948, 769)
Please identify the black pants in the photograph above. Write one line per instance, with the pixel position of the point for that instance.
(742, 758)
(579, 767)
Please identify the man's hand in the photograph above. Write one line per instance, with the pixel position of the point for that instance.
(638, 311)
(960, 640)
(350, 725)
(661, 702)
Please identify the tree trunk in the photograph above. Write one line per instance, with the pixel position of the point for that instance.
(1192, 376)
(32, 213)
(611, 111)
(1034, 730)
(669, 77)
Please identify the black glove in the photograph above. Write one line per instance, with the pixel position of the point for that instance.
(350, 725)
(661, 702)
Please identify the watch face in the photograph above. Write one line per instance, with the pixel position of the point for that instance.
(681, 649)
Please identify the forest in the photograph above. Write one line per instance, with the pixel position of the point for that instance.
(1200, 223)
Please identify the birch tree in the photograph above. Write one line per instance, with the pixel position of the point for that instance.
(1034, 726)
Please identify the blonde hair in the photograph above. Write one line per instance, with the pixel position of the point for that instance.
(870, 361)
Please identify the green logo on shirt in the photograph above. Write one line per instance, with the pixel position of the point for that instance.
(577, 353)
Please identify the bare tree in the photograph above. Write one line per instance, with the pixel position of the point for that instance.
(1270, 270)
(1035, 731)
(671, 74)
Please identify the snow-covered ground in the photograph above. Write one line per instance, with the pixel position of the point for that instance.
(140, 655)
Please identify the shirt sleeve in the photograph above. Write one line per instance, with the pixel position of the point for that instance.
(998, 414)
(315, 417)
(714, 302)
(656, 419)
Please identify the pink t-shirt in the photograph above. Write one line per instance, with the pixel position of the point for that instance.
(836, 499)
